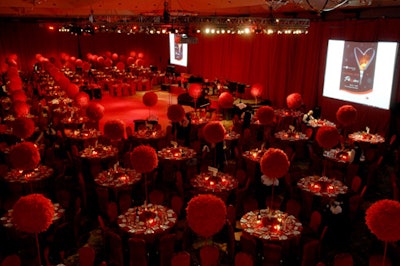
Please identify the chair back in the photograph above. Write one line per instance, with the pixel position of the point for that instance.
(114, 248)
(343, 259)
(356, 184)
(272, 254)
(11, 260)
(209, 256)
(310, 253)
(137, 252)
(243, 259)
(181, 259)
(315, 221)
(177, 204)
(86, 256)
(248, 244)
(166, 247)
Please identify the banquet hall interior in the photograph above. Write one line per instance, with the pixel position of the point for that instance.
(166, 132)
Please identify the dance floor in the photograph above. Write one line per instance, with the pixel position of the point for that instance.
(130, 108)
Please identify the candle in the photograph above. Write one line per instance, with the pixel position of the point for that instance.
(330, 189)
(277, 227)
(212, 183)
(316, 187)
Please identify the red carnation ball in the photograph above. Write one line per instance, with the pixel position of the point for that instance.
(33, 213)
(24, 156)
(214, 132)
(150, 99)
(86, 66)
(206, 215)
(383, 218)
(108, 62)
(95, 111)
(195, 90)
(130, 60)
(23, 127)
(78, 63)
(21, 108)
(346, 115)
(256, 90)
(144, 159)
(265, 115)
(175, 113)
(114, 129)
(274, 163)
(327, 137)
(72, 90)
(82, 99)
(225, 100)
(120, 66)
(19, 95)
(15, 84)
(294, 100)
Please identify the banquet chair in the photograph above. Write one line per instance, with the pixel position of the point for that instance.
(343, 259)
(310, 253)
(112, 213)
(293, 207)
(124, 202)
(356, 184)
(102, 199)
(11, 260)
(86, 256)
(248, 244)
(209, 256)
(243, 259)
(114, 248)
(272, 254)
(137, 252)
(377, 260)
(166, 249)
(181, 258)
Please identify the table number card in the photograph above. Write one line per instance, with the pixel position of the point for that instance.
(213, 170)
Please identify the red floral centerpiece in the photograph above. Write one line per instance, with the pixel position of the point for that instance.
(175, 113)
(114, 129)
(265, 115)
(23, 127)
(274, 163)
(256, 90)
(150, 99)
(95, 111)
(214, 132)
(382, 218)
(33, 213)
(72, 90)
(346, 115)
(206, 215)
(225, 100)
(21, 108)
(144, 159)
(19, 95)
(327, 137)
(195, 90)
(24, 156)
(294, 100)
(82, 99)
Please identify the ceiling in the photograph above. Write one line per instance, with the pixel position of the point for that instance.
(61, 9)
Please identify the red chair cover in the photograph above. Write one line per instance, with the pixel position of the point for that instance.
(343, 259)
(243, 259)
(181, 259)
(209, 256)
(166, 248)
(137, 252)
(11, 260)
(86, 256)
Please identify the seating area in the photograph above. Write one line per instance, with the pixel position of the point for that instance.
(116, 164)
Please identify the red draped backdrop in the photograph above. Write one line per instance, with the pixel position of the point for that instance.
(281, 63)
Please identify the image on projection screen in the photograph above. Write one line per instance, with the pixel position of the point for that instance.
(360, 72)
(178, 52)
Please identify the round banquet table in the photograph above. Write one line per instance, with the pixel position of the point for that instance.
(83, 137)
(40, 173)
(366, 137)
(74, 122)
(7, 221)
(176, 154)
(98, 152)
(287, 135)
(271, 225)
(253, 155)
(231, 136)
(319, 123)
(148, 136)
(322, 186)
(147, 223)
(221, 184)
(117, 178)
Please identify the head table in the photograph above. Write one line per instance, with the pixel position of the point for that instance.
(271, 225)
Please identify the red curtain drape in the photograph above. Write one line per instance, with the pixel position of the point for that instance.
(281, 63)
